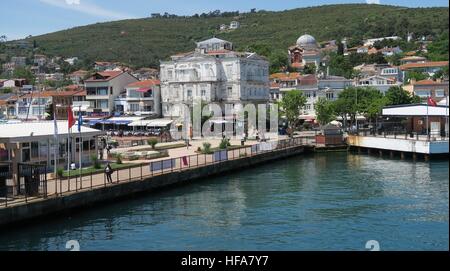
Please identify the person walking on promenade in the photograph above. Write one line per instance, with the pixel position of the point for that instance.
(108, 173)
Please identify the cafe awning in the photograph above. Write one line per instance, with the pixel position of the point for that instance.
(151, 123)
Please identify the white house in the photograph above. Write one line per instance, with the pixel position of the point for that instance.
(7, 83)
(371, 42)
(140, 98)
(378, 82)
(71, 60)
(215, 74)
(235, 25)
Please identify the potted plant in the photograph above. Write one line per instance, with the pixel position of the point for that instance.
(152, 142)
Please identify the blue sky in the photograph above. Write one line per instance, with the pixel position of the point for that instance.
(34, 17)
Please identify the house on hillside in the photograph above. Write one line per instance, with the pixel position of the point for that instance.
(412, 59)
(436, 89)
(140, 98)
(103, 88)
(429, 67)
(77, 77)
(234, 25)
(380, 83)
(101, 66)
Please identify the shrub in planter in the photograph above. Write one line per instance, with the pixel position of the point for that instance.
(152, 142)
(118, 158)
(59, 172)
(95, 161)
(224, 143)
(206, 147)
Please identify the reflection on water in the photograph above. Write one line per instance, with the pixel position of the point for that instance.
(334, 201)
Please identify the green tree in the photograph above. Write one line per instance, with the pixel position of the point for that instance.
(24, 73)
(324, 111)
(291, 105)
(397, 95)
(310, 68)
(438, 49)
(417, 75)
(278, 61)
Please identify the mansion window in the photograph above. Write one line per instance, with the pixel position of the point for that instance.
(229, 70)
(203, 93)
(134, 107)
(308, 107)
(230, 91)
(330, 95)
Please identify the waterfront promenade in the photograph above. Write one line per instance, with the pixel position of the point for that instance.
(80, 190)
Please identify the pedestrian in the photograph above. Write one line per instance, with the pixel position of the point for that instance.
(108, 149)
(108, 173)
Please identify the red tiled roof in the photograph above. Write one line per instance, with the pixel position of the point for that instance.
(80, 93)
(429, 82)
(274, 85)
(285, 76)
(145, 83)
(73, 87)
(307, 80)
(424, 65)
(105, 76)
(50, 93)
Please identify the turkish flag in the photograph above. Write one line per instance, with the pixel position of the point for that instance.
(431, 102)
(70, 118)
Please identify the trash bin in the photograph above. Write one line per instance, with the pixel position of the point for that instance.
(242, 142)
(411, 135)
(3, 187)
(31, 186)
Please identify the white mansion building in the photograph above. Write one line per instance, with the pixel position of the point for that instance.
(216, 74)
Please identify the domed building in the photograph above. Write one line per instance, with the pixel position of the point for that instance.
(307, 41)
(305, 51)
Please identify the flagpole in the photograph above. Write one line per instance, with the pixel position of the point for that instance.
(56, 148)
(80, 141)
(428, 131)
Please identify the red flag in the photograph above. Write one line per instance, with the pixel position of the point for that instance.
(70, 118)
(431, 102)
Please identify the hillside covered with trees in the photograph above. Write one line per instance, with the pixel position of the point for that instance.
(144, 42)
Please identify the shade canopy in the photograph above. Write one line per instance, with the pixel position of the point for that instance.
(151, 123)
(415, 110)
